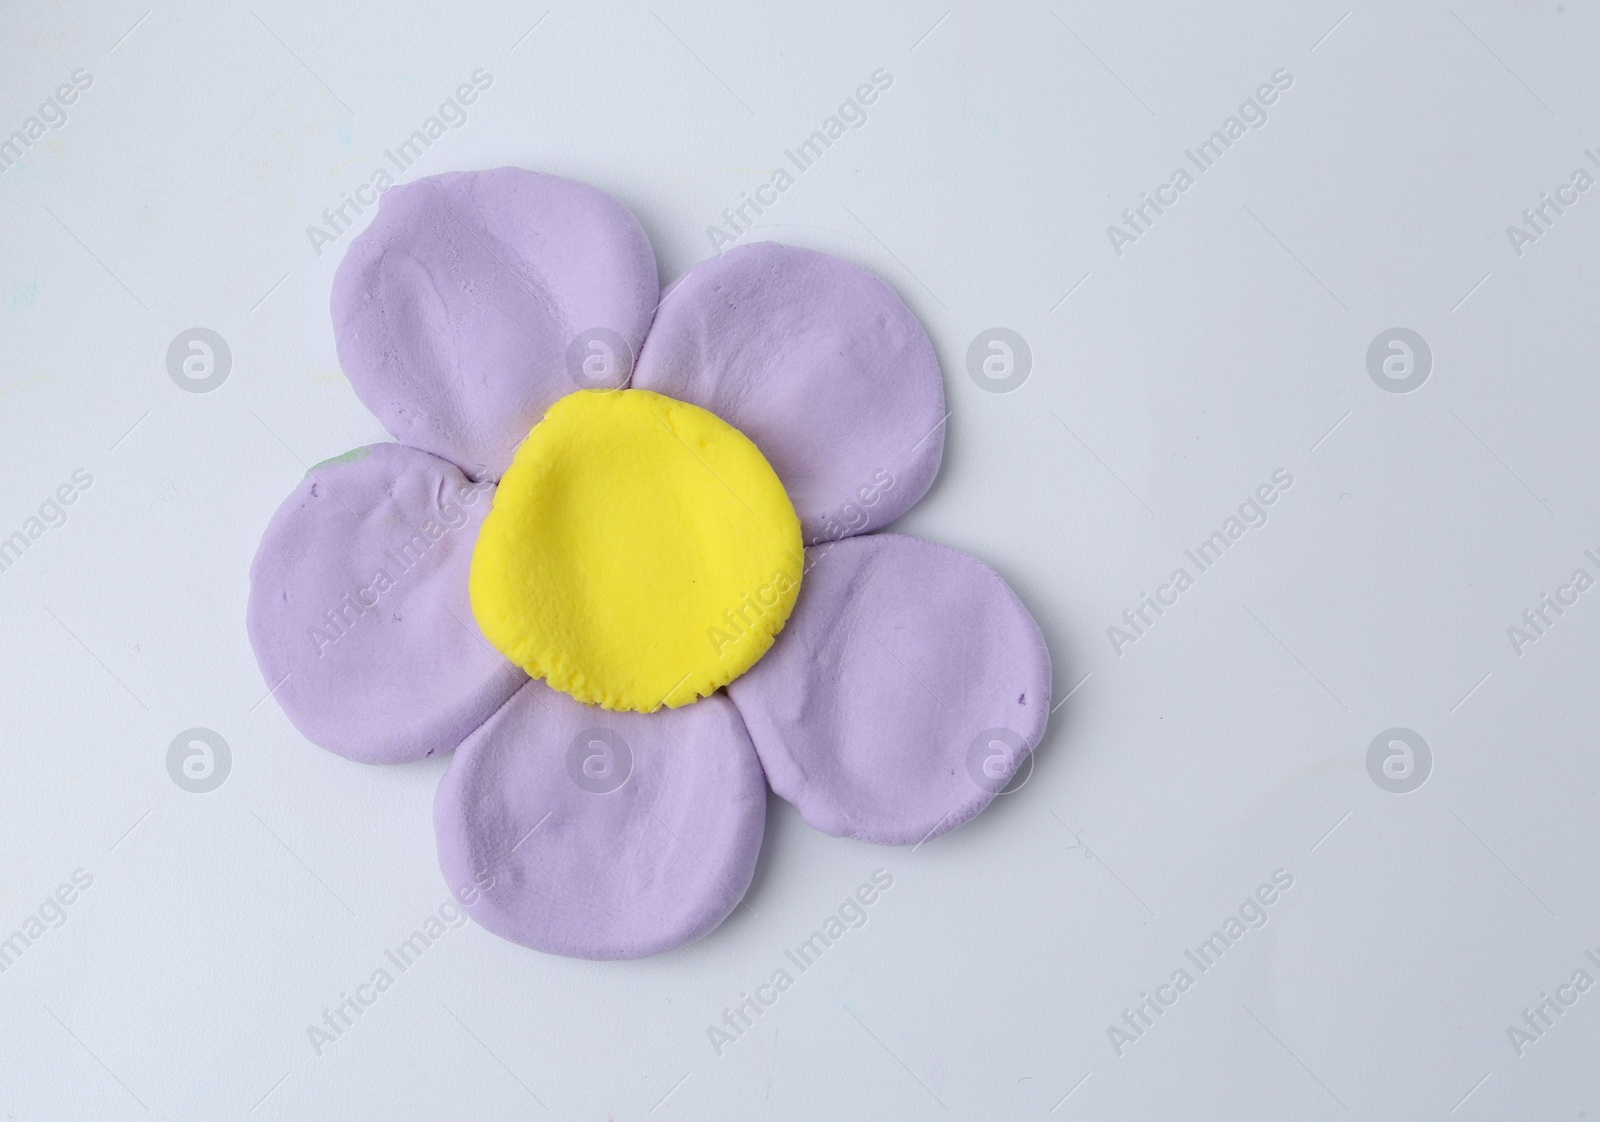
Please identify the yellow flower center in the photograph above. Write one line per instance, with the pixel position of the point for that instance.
(640, 551)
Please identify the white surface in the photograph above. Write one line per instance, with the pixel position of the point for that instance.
(1224, 744)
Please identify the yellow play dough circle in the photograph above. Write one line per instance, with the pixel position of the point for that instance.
(640, 552)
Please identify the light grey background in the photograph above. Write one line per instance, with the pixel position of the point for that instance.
(1167, 383)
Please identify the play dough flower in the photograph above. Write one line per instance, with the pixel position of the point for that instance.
(622, 561)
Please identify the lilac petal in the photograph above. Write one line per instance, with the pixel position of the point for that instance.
(818, 362)
(475, 300)
(907, 688)
(583, 832)
(359, 613)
